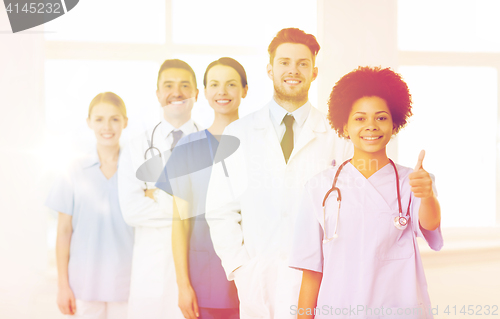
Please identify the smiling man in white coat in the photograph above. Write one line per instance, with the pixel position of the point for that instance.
(153, 289)
(254, 194)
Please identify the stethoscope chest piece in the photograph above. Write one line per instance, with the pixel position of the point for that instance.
(400, 222)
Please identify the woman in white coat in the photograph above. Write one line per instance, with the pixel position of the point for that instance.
(94, 244)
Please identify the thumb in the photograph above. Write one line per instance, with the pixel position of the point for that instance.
(73, 305)
(196, 308)
(420, 160)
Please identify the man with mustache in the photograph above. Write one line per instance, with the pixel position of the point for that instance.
(254, 194)
(153, 289)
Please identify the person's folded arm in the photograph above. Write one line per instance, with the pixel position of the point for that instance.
(137, 208)
(227, 236)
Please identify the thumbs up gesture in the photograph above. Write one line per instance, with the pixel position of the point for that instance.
(420, 180)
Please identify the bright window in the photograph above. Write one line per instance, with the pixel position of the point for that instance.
(455, 121)
(239, 23)
(449, 25)
(70, 85)
(124, 21)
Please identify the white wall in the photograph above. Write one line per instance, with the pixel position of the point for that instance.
(353, 33)
(23, 249)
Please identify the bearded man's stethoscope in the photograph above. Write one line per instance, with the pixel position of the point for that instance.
(399, 222)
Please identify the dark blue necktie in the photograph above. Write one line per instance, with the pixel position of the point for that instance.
(177, 136)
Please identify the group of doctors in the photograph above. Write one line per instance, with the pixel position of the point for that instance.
(217, 241)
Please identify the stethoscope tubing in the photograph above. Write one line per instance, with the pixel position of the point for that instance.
(399, 222)
(151, 147)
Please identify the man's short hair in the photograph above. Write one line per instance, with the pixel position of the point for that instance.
(293, 35)
(175, 64)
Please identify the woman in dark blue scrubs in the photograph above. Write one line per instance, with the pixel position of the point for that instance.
(204, 291)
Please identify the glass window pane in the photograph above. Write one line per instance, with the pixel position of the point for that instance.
(70, 85)
(123, 21)
(242, 23)
(449, 25)
(455, 121)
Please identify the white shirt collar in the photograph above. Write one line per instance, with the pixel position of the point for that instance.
(186, 128)
(278, 113)
(92, 158)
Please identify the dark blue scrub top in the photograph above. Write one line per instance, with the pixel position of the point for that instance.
(207, 276)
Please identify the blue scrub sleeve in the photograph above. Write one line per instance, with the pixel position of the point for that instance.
(61, 197)
(307, 247)
(434, 238)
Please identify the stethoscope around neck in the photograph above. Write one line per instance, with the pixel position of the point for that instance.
(152, 148)
(400, 222)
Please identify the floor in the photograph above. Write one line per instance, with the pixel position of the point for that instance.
(456, 278)
(475, 284)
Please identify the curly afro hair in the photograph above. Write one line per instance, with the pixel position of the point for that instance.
(369, 81)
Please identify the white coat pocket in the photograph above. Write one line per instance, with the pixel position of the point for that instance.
(392, 243)
(249, 282)
(148, 265)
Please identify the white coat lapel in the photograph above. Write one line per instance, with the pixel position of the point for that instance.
(314, 125)
(264, 129)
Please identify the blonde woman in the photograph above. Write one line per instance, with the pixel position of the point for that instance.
(94, 244)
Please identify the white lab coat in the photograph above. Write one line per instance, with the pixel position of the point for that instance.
(153, 288)
(251, 213)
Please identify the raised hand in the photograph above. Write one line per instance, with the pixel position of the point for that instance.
(420, 180)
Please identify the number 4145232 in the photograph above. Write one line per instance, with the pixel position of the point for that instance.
(35, 8)
(472, 310)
